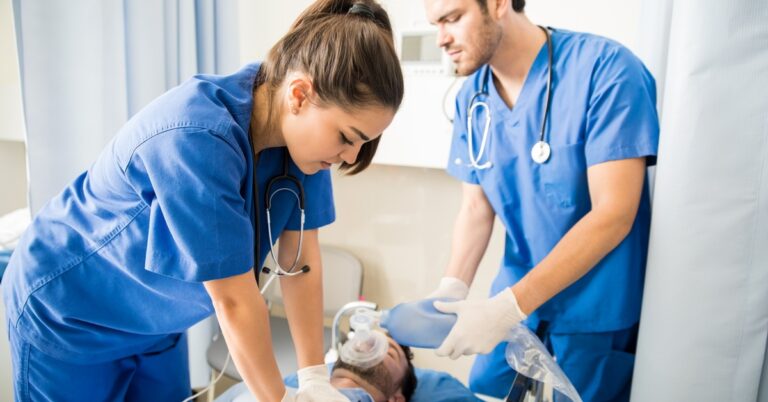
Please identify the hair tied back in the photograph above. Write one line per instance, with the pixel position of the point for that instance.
(362, 9)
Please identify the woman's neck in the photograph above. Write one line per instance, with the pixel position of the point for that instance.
(264, 128)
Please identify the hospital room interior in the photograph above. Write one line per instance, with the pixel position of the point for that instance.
(72, 73)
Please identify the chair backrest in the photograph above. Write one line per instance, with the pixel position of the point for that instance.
(342, 280)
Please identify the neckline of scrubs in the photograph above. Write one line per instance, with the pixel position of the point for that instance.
(537, 70)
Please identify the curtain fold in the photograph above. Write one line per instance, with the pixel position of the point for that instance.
(87, 66)
(704, 323)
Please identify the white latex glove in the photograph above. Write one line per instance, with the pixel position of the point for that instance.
(480, 324)
(315, 386)
(450, 287)
(288, 397)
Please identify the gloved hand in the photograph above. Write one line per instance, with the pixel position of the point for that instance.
(480, 324)
(288, 397)
(315, 386)
(450, 287)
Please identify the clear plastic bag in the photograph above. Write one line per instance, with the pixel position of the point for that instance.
(527, 355)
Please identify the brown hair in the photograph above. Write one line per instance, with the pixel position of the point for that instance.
(347, 48)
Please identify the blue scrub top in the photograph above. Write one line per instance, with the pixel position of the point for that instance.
(603, 109)
(116, 261)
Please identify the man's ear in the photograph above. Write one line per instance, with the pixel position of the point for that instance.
(499, 8)
(397, 397)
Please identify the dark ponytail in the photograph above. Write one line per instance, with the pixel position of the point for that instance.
(347, 48)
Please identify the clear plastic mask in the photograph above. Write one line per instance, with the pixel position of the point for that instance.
(367, 345)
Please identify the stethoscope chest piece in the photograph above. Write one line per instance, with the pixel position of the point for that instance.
(540, 152)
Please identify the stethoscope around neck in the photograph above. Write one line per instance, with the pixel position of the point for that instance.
(298, 192)
(540, 152)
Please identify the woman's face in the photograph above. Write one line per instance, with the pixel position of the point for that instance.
(318, 137)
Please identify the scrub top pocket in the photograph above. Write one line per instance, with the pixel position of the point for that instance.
(564, 177)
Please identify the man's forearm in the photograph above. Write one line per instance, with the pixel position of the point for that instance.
(471, 234)
(588, 242)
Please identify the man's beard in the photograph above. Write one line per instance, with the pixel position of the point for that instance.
(378, 376)
(486, 44)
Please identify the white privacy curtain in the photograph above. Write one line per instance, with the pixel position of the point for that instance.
(88, 65)
(704, 323)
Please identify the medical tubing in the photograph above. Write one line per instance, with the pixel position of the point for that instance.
(215, 380)
(339, 314)
(473, 160)
(548, 99)
(278, 269)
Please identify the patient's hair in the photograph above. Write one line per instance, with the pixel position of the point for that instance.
(517, 5)
(379, 377)
(347, 48)
(408, 385)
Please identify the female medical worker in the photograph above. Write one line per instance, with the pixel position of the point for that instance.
(158, 233)
(573, 199)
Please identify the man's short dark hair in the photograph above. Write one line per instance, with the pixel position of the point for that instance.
(379, 377)
(517, 5)
(408, 385)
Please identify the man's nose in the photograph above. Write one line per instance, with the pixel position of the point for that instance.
(443, 38)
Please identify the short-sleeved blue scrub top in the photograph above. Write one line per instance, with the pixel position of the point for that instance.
(116, 261)
(603, 108)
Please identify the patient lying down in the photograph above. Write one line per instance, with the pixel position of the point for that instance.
(392, 380)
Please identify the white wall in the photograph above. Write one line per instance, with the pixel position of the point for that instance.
(398, 220)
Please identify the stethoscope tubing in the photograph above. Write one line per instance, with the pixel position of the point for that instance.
(277, 271)
(475, 102)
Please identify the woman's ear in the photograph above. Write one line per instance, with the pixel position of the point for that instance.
(397, 397)
(299, 91)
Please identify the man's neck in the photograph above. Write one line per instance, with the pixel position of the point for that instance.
(520, 44)
(341, 378)
(344, 382)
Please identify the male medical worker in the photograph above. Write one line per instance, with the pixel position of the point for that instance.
(573, 200)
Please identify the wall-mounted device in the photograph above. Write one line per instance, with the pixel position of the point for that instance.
(420, 134)
(420, 54)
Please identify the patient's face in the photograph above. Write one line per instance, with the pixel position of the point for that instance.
(384, 379)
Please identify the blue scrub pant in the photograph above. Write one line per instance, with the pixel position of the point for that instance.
(598, 364)
(158, 375)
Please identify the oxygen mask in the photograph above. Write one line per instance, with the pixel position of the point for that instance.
(367, 345)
